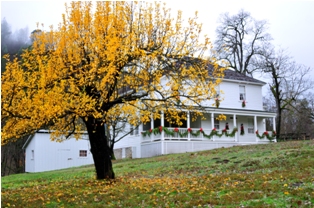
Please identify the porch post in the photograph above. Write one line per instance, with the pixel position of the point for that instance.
(152, 127)
(274, 127)
(255, 128)
(235, 126)
(188, 124)
(213, 123)
(274, 123)
(140, 130)
(162, 123)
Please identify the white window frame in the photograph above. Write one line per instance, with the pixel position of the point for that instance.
(216, 124)
(250, 124)
(242, 93)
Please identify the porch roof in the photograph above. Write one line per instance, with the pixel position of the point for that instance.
(245, 112)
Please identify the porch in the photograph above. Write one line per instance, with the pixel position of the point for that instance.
(240, 128)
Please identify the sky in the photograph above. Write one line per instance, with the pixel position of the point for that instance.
(291, 23)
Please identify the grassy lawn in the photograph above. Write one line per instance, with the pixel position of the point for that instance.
(272, 175)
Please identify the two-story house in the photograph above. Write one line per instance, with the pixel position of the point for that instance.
(239, 100)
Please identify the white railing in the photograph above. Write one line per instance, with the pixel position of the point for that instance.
(151, 137)
(177, 134)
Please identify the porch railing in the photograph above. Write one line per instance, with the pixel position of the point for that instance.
(171, 133)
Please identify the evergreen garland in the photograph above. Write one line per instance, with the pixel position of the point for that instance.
(266, 134)
(168, 132)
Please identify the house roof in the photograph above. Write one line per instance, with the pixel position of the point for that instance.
(228, 73)
(28, 141)
(236, 76)
(233, 75)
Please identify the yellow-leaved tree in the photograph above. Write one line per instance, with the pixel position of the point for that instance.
(113, 57)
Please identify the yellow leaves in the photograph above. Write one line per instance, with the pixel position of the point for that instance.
(221, 117)
(96, 61)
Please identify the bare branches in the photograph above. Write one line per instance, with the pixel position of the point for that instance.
(239, 41)
(289, 81)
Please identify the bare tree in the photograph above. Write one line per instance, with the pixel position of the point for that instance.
(240, 41)
(297, 122)
(289, 81)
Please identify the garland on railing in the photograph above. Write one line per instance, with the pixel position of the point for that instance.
(266, 134)
(168, 132)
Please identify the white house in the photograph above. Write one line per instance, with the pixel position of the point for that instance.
(41, 154)
(240, 102)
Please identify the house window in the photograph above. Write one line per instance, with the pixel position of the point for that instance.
(242, 92)
(250, 128)
(33, 155)
(216, 124)
(134, 130)
(83, 153)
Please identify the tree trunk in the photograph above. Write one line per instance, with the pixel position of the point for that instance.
(100, 149)
(278, 123)
(113, 157)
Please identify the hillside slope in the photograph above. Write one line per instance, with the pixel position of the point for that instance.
(271, 175)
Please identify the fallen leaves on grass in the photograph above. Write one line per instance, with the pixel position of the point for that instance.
(188, 184)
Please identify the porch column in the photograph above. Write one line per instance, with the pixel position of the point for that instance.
(140, 130)
(255, 128)
(213, 123)
(188, 124)
(274, 123)
(274, 127)
(152, 127)
(235, 126)
(162, 123)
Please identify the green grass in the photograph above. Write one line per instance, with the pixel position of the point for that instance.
(271, 175)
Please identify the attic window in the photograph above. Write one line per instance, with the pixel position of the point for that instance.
(242, 92)
(83, 153)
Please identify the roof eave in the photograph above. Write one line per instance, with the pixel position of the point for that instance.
(261, 83)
